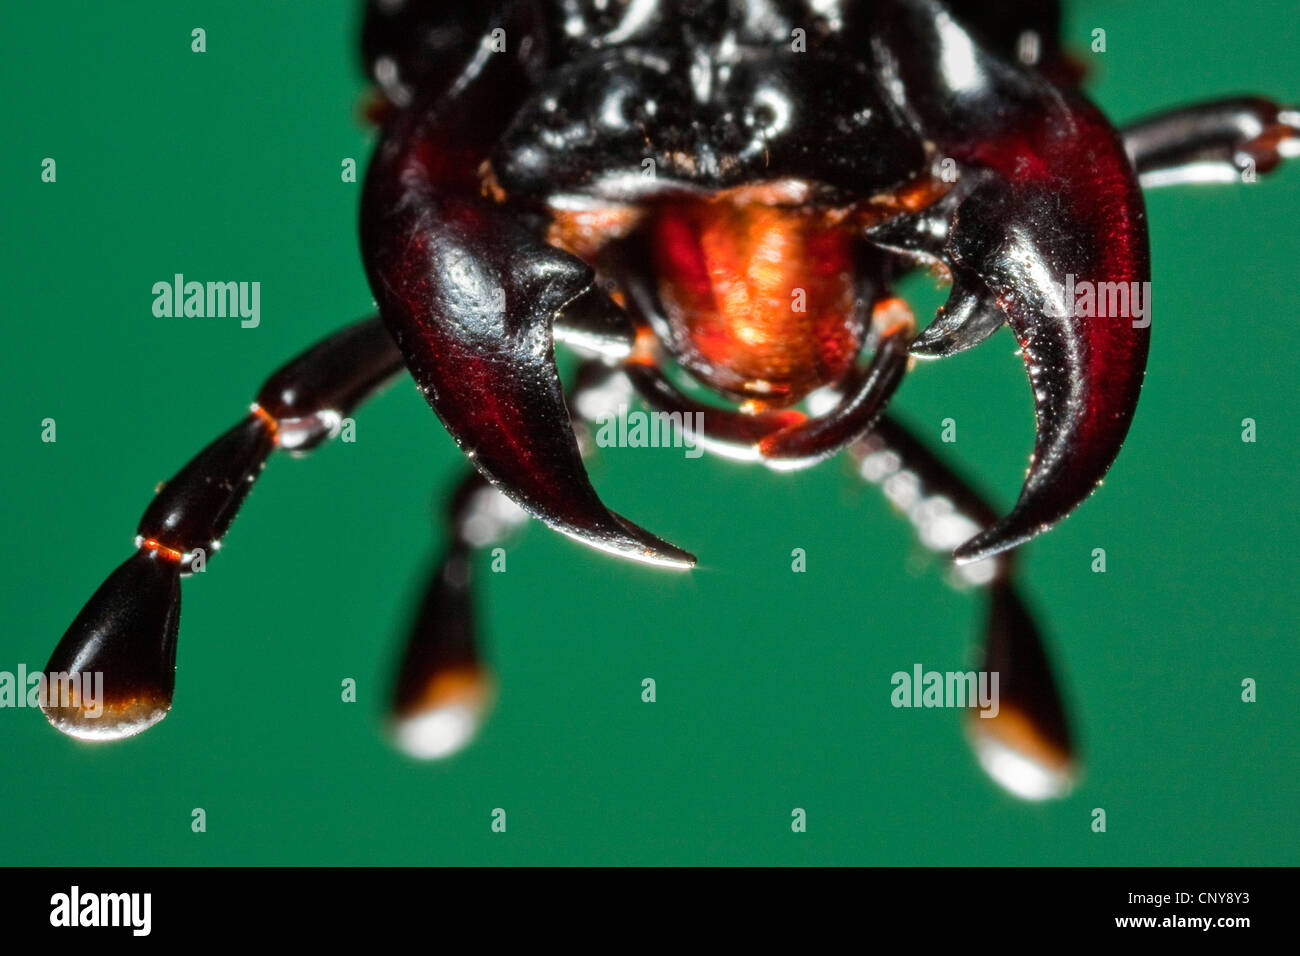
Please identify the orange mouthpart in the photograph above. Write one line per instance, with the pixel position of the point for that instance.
(760, 297)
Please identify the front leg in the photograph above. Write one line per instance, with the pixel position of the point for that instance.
(1214, 142)
(127, 630)
(1027, 747)
(444, 686)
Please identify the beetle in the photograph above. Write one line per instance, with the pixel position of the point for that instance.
(712, 197)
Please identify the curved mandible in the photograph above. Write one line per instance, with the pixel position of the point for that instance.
(1048, 206)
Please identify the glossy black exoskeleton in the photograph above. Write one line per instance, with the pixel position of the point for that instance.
(711, 196)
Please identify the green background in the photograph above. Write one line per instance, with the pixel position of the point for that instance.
(773, 687)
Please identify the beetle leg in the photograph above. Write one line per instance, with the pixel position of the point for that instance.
(1212, 142)
(443, 688)
(127, 630)
(1026, 747)
(1048, 197)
